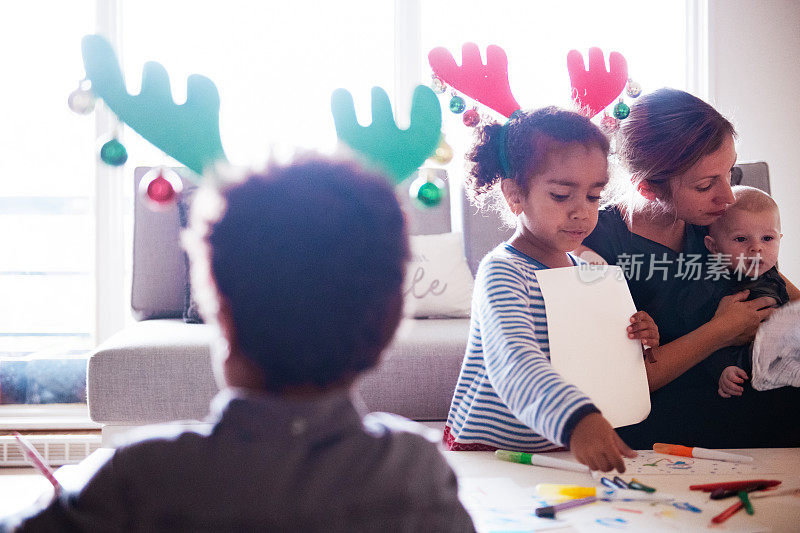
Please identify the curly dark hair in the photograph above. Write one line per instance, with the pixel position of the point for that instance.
(530, 136)
(310, 258)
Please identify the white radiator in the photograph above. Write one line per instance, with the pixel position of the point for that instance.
(55, 449)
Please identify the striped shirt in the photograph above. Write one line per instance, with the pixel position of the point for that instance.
(508, 395)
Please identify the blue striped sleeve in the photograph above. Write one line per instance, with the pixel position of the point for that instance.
(510, 309)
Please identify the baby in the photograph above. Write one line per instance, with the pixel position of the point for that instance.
(747, 239)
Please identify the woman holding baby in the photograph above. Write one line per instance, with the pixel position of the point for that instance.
(680, 152)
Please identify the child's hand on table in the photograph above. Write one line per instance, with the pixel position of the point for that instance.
(595, 444)
(729, 381)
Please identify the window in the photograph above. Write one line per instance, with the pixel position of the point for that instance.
(46, 214)
(276, 65)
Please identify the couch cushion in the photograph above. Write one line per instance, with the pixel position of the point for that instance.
(483, 230)
(160, 370)
(159, 264)
(159, 278)
(418, 372)
(438, 282)
(153, 371)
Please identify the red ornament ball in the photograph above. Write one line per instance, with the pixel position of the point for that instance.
(471, 118)
(160, 188)
(160, 191)
(609, 124)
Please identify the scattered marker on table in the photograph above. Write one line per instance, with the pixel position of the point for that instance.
(721, 494)
(748, 507)
(686, 506)
(727, 513)
(549, 511)
(620, 482)
(538, 459)
(700, 453)
(608, 483)
(637, 485)
(553, 490)
(708, 487)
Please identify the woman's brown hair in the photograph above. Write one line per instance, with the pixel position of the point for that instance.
(667, 132)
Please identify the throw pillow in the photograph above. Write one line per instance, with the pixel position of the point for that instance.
(438, 280)
(191, 314)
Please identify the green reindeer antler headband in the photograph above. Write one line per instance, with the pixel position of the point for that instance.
(189, 132)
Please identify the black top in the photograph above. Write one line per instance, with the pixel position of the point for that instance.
(669, 285)
(681, 291)
(770, 284)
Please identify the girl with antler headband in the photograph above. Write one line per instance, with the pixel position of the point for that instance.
(551, 166)
(680, 153)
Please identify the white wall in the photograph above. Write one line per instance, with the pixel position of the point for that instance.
(754, 80)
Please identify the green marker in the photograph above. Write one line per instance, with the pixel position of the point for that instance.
(636, 485)
(748, 507)
(538, 459)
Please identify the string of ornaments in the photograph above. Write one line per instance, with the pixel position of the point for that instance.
(488, 84)
(82, 101)
(610, 123)
(594, 89)
(160, 187)
(189, 133)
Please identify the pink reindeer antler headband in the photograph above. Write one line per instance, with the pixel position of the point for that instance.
(593, 89)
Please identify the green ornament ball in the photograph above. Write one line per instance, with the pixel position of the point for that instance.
(621, 111)
(427, 192)
(113, 153)
(457, 104)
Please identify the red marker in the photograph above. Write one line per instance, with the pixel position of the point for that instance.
(37, 460)
(721, 494)
(727, 513)
(735, 485)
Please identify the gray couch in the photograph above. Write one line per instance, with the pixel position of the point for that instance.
(159, 369)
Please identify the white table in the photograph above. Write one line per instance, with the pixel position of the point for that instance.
(771, 514)
(20, 487)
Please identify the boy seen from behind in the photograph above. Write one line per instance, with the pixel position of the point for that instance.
(302, 269)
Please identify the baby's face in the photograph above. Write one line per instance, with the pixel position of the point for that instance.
(751, 239)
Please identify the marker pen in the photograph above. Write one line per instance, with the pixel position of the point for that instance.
(700, 453)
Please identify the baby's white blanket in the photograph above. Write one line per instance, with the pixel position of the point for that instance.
(776, 350)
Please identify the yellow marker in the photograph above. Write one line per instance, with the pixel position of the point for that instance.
(549, 490)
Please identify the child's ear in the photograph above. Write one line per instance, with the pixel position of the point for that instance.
(512, 194)
(711, 244)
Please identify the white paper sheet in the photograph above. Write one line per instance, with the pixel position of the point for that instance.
(588, 308)
(650, 462)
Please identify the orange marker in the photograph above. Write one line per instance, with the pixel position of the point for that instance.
(700, 453)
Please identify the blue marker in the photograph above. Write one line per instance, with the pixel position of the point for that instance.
(619, 482)
(686, 506)
(608, 483)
